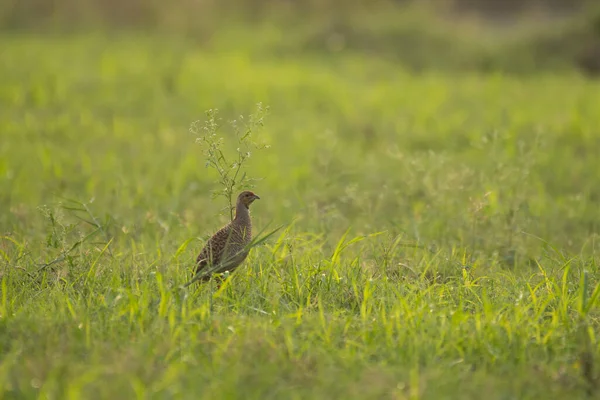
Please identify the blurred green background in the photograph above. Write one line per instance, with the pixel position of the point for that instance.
(516, 36)
(368, 99)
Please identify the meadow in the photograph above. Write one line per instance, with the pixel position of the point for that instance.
(438, 228)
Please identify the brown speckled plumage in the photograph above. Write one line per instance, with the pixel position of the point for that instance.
(226, 249)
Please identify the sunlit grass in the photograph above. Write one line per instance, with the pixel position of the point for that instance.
(439, 232)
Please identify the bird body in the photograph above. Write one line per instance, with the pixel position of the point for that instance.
(227, 248)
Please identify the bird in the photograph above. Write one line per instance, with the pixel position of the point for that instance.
(227, 249)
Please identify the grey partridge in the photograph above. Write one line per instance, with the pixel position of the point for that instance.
(227, 248)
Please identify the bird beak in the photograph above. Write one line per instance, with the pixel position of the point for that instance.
(257, 197)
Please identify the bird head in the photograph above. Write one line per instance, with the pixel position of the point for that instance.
(246, 198)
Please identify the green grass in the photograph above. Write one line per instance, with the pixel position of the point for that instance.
(439, 234)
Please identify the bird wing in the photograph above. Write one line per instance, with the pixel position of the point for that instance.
(213, 251)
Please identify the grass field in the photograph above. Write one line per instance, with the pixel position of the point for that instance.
(439, 234)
